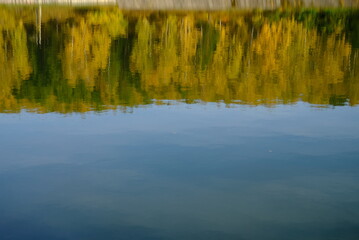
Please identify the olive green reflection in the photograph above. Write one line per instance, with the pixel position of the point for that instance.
(93, 59)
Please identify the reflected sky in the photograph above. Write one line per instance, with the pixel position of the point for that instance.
(181, 172)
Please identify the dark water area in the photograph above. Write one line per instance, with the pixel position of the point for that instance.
(126, 125)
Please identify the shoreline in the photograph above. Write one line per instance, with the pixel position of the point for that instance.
(192, 4)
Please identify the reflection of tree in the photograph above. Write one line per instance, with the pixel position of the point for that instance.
(13, 57)
(285, 62)
(88, 44)
(91, 59)
(142, 59)
(291, 61)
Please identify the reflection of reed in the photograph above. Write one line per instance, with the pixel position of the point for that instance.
(198, 4)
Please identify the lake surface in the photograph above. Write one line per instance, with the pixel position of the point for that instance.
(178, 125)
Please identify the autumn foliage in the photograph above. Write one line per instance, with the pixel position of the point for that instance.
(94, 59)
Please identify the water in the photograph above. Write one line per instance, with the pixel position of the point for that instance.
(178, 125)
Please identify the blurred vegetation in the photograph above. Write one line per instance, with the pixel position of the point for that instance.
(93, 59)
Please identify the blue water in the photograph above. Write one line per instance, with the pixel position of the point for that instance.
(201, 171)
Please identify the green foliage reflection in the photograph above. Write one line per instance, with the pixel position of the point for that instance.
(84, 59)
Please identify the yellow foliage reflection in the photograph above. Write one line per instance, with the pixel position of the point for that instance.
(14, 59)
(88, 44)
(102, 58)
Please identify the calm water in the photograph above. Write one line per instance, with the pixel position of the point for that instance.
(178, 125)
